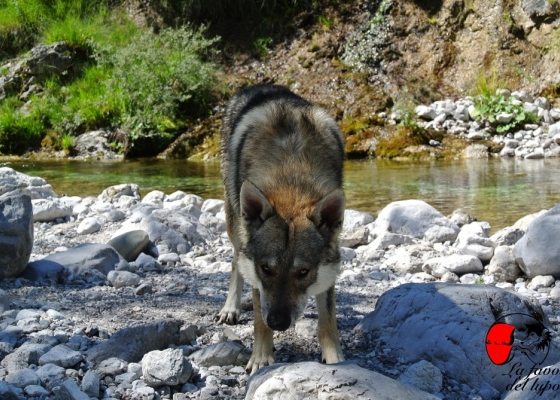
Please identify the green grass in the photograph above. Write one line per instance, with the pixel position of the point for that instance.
(26, 22)
(19, 130)
(144, 83)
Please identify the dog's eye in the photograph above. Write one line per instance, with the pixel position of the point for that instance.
(303, 272)
(266, 269)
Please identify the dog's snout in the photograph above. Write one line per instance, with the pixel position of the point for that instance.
(279, 321)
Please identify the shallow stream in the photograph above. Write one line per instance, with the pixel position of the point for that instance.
(499, 191)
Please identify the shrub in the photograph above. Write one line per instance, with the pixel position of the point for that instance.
(19, 130)
(487, 108)
(159, 79)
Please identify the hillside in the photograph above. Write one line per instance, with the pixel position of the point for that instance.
(368, 62)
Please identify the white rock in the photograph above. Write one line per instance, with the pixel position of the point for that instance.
(541, 281)
(88, 225)
(165, 368)
(424, 376)
(354, 219)
(473, 240)
(504, 118)
(13, 182)
(537, 252)
(522, 95)
(123, 279)
(459, 264)
(412, 218)
(503, 265)
(45, 210)
(425, 112)
(537, 154)
(212, 206)
(155, 197)
(312, 380)
(347, 254)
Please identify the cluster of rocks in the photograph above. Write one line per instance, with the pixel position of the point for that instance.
(117, 294)
(532, 141)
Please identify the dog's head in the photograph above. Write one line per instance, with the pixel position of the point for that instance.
(291, 255)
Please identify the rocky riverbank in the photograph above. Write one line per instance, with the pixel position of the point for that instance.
(113, 297)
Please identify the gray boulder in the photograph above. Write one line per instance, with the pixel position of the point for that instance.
(69, 390)
(473, 240)
(458, 264)
(171, 230)
(223, 353)
(354, 219)
(423, 375)
(537, 252)
(448, 324)
(417, 219)
(503, 265)
(88, 225)
(16, 234)
(23, 377)
(46, 60)
(15, 183)
(353, 237)
(27, 353)
(130, 344)
(212, 206)
(94, 144)
(166, 368)
(10, 392)
(62, 356)
(123, 278)
(342, 381)
(130, 244)
(45, 210)
(507, 236)
(408, 259)
(51, 375)
(82, 260)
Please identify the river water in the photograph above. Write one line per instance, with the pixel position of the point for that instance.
(499, 191)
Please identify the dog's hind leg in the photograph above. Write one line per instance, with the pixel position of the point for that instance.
(327, 331)
(231, 311)
(263, 349)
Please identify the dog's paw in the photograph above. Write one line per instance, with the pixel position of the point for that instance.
(332, 355)
(258, 361)
(227, 316)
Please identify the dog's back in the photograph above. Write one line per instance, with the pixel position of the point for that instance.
(287, 147)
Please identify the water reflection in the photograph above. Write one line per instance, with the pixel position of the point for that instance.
(499, 191)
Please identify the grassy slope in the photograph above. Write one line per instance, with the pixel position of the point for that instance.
(147, 84)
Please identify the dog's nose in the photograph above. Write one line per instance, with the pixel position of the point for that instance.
(278, 321)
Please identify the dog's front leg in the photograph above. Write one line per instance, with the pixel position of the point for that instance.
(231, 311)
(327, 331)
(263, 349)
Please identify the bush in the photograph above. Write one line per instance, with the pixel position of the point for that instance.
(19, 130)
(487, 108)
(159, 79)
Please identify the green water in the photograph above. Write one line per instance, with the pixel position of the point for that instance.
(499, 191)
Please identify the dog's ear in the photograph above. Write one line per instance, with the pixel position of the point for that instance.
(255, 207)
(328, 213)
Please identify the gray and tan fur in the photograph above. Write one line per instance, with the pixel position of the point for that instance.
(282, 169)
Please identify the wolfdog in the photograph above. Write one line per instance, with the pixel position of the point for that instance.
(281, 165)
